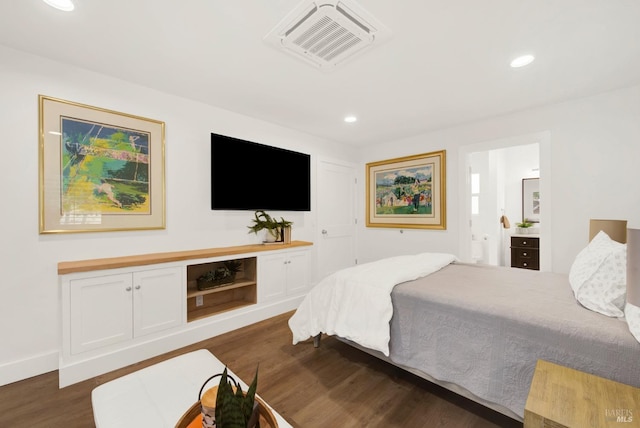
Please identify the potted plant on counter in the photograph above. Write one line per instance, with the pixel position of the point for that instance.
(275, 228)
(523, 227)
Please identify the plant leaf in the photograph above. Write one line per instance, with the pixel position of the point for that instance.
(228, 407)
(249, 399)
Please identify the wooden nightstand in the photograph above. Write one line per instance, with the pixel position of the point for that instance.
(525, 252)
(561, 397)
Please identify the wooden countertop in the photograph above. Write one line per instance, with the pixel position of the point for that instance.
(173, 256)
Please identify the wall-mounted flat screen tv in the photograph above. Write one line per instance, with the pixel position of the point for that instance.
(251, 176)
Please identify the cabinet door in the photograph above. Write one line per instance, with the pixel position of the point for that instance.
(272, 277)
(297, 272)
(157, 300)
(100, 311)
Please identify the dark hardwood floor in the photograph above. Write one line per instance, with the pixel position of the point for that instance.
(335, 385)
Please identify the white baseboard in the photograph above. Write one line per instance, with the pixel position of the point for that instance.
(79, 370)
(28, 367)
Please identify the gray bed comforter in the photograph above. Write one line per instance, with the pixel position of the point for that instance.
(483, 328)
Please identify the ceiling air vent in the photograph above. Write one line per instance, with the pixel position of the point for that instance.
(328, 33)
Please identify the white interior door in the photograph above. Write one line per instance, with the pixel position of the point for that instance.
(336, 216)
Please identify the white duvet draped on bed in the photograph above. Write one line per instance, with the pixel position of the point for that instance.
(355, 303)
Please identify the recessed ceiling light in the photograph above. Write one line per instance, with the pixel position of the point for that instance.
(350, 119)
(65, 5)
(521, 61)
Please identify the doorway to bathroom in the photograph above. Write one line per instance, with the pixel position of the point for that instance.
(491, 203)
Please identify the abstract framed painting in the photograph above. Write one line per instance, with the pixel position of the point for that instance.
(99, 170)
(407, 192)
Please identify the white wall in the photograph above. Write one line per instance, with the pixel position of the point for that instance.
(29, 291)
(595, 147)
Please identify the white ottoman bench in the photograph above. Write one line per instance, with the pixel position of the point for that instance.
(158, 395)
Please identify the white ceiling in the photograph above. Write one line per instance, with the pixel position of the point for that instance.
(447, 61)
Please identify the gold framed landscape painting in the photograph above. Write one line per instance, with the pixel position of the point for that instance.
(407, 192)
(100, 170)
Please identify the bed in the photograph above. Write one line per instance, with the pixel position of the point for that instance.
(479, 331)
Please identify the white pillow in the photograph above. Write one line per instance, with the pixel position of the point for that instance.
(632, 314)
(598, 276)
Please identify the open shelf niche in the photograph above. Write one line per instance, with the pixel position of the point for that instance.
(205, 303)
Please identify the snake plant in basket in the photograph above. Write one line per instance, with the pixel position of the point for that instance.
(236, 409)
(226, 406)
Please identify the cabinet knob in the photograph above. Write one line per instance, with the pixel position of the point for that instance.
(524, 254)
(524, 264)
(137, 287)
(128, 288)
(324, 231)
(524, 242)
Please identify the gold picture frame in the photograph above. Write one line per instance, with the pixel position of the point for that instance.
(407, 192)
(99, 170)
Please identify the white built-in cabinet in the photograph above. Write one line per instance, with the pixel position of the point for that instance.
(109, 309)
(119, 311)
(283, 274)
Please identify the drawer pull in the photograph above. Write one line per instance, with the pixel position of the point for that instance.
(524, 242)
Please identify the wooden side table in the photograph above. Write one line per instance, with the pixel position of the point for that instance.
(561, 397)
